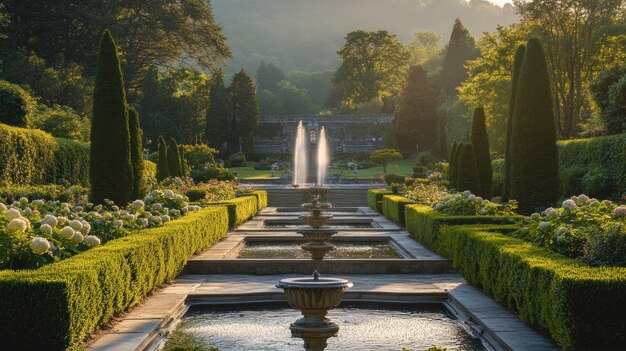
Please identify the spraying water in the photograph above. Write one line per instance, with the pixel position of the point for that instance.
(323, 158)
(300, 156)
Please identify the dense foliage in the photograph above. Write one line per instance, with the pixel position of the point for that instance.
(15, 104)
(609, 92)
(244, 110)
(517, 66)
(461, 48)
(467, 176)
(384, 157)
(480, 142)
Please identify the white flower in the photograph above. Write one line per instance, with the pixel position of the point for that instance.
(78, 209)
(165, 218)
(12, 214)
(3, 208)
(142, 222)
(118, 223)
(146, 214)
(23, 200)
(458, 196)
(38, 202)
(619, 211)
(483, 211)
(535, 215)
(91, 241)
(46, 228)
(67, 232)
(39, 245)
(65, 205)
(86, 227)
(594, 202)
(561, 231)
(108, 215)
(98, 208)
(138, 204)
(467, 193)
(166, 210)
(569, 204)
(157, 206)
(17, 225)
(178, 197)
(78, 237)
(184, 204)
(607, 202)
(149, 198)
(551, 212)
(61, 220)
(169, 193)
(115, 208)
(28, 211)
(438, 206)
(583, 198)
(544, 225)
(471, 197)
(156, 220)
(76, 224)
(130, 217)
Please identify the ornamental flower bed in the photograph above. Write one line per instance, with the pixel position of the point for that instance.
(37, 232)
(583, 228)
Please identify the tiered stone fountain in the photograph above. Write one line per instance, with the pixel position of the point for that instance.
(317, 237)
(314, 297)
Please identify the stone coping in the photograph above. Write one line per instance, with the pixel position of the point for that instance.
(258, 224)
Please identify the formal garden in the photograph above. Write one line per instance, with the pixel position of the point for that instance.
(376, 191)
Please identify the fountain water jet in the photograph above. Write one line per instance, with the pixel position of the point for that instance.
(300, 157)
(323, 158)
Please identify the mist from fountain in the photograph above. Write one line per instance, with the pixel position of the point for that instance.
(300, 157)
(323, 158)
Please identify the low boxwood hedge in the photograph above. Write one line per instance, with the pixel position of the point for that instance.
(375, 198)
(261, 198)
(582, 307)
(57, 306)
(393, 207)
(240, 209)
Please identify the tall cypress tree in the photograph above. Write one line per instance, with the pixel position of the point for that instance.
(163, 168)
(517, 66)
(110, 161)
(461, 48)
(480, 143)
(181, 161)
(452, 165)
(416, 114)
(218, 114)
(173, 159)
(136, 154)
(467, 172)
(534, 155)
(244, 108)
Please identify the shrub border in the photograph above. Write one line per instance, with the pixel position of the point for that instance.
(375, 198)
(393, 207)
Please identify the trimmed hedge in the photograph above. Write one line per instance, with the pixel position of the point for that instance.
(423, 222)
(583, 308)
(240, 209)
(261, 198)
(34, 157)
(57, 306)
(393, 207)
(375, 198)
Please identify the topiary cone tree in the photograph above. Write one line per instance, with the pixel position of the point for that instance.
(467, 172)
(173, 159)
(517, 66)
(110, 161)
(452, 165)
(480, 143)
(136, 154)
(163, 169)
(533, 152)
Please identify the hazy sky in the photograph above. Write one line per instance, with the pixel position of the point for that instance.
(501, 2)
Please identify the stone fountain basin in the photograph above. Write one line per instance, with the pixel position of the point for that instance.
(317, 234)
(310, 294)
(357, 221)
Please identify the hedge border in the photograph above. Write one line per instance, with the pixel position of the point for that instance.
(240, 209)
(393, 207)
(375, 198)
(261, 198)
(57, 306)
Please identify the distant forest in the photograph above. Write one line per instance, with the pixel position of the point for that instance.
(305, 35)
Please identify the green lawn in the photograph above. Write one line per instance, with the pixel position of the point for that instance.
(404, 167)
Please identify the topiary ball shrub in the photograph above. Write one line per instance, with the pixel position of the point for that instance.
(394, 178)
(237, 160)
(15, 104)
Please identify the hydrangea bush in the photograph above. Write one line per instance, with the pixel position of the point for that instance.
(583, 228)
(37, 232)
(468, 204)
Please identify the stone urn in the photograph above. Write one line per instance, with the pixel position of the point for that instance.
(314, 297)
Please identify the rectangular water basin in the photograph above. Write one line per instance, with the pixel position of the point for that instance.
(343, 250)
(362, 327)
(337, 223)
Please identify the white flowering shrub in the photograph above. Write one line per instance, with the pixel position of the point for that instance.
(37, 232)
(468, 204)
(582, 228)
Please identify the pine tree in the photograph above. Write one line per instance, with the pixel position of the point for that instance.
(136, 154)
(452, 169)
(480, 143)
(534, 155)
(416, 114)
(460, 49)
(151, 104)
(218, 114)
(110, 161)
(173, 159)
(163, 169)
(268, 76)
(244, 108)
(517, 66)
(467, 172)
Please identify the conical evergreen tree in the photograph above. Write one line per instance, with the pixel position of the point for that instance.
(163, 168)
(517, 66)
(461, 48)
(218, 114)
(244, 108)
(173, 159)
(452, 165)
(467, 172)
(182, 162)
(136, 154)
(534, 155)
(480, 143)
(110, 168)
(416, 114)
